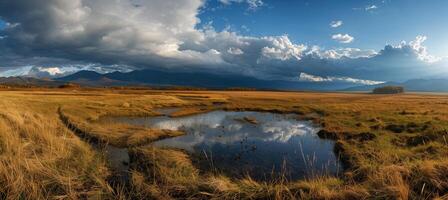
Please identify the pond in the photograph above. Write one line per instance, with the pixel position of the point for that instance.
(263, 145)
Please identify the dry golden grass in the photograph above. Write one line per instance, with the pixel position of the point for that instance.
(41, 159)
(170, 168)
(116, 134)
(394, 146)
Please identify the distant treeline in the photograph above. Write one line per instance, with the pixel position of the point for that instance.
(388, 90)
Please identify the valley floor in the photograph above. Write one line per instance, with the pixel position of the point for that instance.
(392, 146)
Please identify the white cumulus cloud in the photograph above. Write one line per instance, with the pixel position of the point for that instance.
(335, 24)
(421, 50)
(282, 49)
(235, 51)
(343, 38)
(341, 53)
(51, 70)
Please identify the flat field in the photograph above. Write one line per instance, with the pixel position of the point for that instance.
(392, 146)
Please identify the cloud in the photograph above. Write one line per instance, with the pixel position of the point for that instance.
(252, 4)
(51, 70)
(343, 38)
(282, 49)
(312, 78)
(255, 4)
(21, 71)
(421, 51)
(104, 36)
(43, 67)
(235, 51)
(102, 30)
(228, 2)
(370, 7)
(341, 53)
(335, 24)
(277, 129)
(413, 49)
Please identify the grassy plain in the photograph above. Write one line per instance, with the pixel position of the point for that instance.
(392, 146)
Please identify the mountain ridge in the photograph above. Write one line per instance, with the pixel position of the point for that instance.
(204, 80)
(19, 81)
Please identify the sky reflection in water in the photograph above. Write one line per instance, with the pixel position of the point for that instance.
(223, 141)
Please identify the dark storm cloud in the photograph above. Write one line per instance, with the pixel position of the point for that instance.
(102, 30)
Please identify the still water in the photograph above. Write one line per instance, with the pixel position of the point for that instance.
(262, 145)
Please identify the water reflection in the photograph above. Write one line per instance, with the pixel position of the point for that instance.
(263, 147)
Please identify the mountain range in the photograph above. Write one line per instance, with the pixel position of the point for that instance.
(212, 81)
(203, 80)
(28, 82)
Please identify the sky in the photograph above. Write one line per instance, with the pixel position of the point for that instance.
(363, 41)
(306, 21)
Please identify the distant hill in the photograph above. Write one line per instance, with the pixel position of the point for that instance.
(91, 78)
(203, 80)
(423, 85)
(28, 82)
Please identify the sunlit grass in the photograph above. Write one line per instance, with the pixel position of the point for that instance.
(40, 158)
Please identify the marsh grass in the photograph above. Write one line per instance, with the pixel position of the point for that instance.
(117, 134)
(41, 159)
(171, 172)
